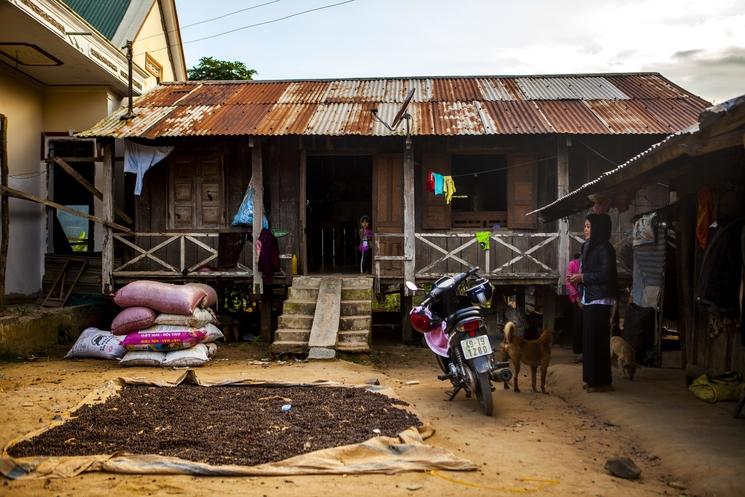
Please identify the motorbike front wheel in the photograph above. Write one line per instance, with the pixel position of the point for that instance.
(483, 393)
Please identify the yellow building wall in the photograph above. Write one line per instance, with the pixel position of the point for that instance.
(75, 108)
(151, 39)
(21, 102)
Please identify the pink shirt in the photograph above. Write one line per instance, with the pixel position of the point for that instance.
(573, 268)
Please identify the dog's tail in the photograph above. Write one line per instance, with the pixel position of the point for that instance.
(509, 332)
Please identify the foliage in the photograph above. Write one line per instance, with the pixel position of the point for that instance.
(220, 70)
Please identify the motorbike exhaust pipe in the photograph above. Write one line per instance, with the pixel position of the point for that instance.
(502, 374)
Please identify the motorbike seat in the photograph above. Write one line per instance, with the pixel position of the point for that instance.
(466, 312)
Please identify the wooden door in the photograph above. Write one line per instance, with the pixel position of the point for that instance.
(521, 190)
(388, 207)
(436, 214)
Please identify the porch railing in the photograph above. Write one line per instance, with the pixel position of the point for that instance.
(170, 254)
(508, 256)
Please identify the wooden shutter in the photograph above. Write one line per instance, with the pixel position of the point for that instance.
(521, 190)
(210, 207)
(436, 214)
(196, 192)
(182, 193)
(388, 204)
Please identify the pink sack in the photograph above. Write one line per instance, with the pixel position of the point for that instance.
(163, 297)
(163, 341)
(133, 319)
(211, 298)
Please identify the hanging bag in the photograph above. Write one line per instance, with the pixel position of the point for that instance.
(245, 214)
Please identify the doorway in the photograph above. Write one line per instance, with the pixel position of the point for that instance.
(338, 193)
(72, 233)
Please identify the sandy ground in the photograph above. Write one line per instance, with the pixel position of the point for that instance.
(535, 444)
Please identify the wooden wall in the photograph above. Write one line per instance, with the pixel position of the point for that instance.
(703, 352)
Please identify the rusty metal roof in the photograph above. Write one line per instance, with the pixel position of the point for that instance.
(727, 116)
(642, 103)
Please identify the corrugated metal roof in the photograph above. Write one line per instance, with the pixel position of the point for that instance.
(484, 105)
(655, 156)
(104, 15)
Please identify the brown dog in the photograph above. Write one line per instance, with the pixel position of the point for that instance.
(532, 353)
(624, 353)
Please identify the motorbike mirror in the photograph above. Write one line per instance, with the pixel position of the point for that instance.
(411, 286)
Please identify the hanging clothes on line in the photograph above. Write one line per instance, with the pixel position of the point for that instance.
(449, 189)
(430, 182)
(139, 158)
(439, 184)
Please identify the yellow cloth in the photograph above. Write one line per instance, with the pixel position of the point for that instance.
(449, 188)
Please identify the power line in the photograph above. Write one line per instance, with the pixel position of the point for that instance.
(214, 18)
(323, 7)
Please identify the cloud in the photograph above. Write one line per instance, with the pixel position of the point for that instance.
(715, 75)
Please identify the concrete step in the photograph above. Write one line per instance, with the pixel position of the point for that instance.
(302, 293)
(355, 307)
(357, 282)
(360, 348)
(305, 307)
(357, 336)
(290, 335)
(355, 322)
(306, 282)
(356, 293)
(289, 347)
(296, 321)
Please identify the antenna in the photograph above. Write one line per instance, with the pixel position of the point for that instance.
(401, 114)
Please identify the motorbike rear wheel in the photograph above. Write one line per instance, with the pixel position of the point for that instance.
(483, 393)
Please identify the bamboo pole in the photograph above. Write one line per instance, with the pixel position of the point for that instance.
(4, 206)
(12, 192)
(88, 186)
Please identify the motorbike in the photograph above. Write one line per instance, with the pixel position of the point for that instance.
(454, 329)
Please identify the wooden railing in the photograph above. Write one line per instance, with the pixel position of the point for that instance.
(170, 254)
(509, 256)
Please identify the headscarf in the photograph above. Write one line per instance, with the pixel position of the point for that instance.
(601, 226)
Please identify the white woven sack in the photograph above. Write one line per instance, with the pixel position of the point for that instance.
(196, 319)
(193, 357)
(142, 358)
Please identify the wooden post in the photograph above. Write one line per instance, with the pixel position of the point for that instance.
(257, 180)
(107, 249)
(549, 308)
(409, 240)
(266, 315)
(407, 332)
(303, 256)
(562, 188)
(4, 206)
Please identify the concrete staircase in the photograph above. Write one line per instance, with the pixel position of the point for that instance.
(341, 323)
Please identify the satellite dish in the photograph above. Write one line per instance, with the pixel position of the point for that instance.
(402, 110)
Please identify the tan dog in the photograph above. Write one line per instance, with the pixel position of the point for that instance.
(624, 353)
(532, 353)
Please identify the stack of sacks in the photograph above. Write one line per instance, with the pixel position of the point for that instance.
(166, 325)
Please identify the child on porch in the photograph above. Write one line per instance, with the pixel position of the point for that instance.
(366, 235)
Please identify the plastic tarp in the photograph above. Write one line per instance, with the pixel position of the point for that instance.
(379, 455)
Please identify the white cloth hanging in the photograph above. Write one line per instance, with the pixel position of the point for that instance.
(139, 158)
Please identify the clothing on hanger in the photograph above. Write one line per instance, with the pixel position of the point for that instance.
(449, 189)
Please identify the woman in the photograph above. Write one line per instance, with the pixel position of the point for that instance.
(598, 293)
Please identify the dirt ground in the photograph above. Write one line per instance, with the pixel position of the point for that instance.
(535, 444)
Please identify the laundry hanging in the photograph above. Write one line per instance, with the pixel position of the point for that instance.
(482, 237)
(430, 182)
(139, 158)
(439, 184)
(449, 189)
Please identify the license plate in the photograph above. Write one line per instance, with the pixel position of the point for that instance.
(476, 347)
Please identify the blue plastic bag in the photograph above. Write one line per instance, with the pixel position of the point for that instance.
(245, 214)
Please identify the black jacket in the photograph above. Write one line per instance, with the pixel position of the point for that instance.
(599, 273)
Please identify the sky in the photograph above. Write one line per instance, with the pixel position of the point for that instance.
(699, 45)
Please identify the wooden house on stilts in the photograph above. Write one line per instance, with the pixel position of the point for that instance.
(320, 155)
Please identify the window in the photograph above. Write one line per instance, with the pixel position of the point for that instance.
(196, 192)
(480, 200)
(152, 66)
